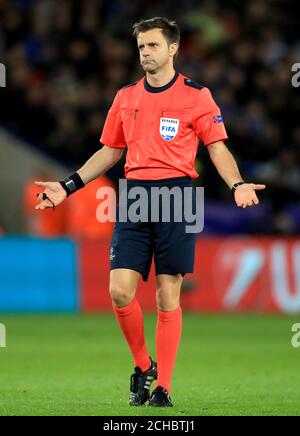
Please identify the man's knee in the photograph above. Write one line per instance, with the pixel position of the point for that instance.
(120, 295)
(122, 286)
(168, 291)
(167, 298)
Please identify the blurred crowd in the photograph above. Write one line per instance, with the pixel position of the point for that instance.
(67, 58)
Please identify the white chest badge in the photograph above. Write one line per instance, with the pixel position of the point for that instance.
(168, 128)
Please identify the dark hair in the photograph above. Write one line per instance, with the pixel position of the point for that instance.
(169, 28)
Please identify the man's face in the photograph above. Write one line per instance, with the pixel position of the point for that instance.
(155, 53)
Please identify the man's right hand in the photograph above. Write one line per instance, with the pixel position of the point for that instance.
(54, 191)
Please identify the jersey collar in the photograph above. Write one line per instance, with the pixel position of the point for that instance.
(156, 89)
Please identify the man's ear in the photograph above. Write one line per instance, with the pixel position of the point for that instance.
(173, 48)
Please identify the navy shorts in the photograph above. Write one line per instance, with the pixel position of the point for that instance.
(134, 244)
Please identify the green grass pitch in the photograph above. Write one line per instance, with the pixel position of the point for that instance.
(80, 365)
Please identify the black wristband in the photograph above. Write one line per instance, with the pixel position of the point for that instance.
(236, 185)
(72, 183)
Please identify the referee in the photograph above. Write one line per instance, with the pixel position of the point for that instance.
(160, 120)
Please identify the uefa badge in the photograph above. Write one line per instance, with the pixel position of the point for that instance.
(168, 128)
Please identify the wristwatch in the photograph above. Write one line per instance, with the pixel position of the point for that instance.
(236, 185)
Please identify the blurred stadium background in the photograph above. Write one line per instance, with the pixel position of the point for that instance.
(64, 62)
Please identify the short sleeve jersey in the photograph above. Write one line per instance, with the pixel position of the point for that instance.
(161, 127)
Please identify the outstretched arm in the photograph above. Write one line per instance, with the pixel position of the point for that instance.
(100, 163)
(226, 166)
(95, 167)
